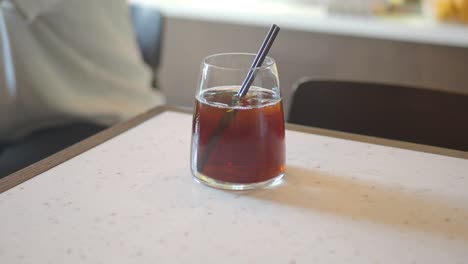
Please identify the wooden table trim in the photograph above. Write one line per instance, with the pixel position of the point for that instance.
(379, 141)
(39, 167)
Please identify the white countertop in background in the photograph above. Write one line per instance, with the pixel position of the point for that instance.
(297, 15)
(132, 199)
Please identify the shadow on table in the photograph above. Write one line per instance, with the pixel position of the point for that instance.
(360, 200)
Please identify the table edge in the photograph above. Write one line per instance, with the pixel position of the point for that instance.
(74, 150)
(41, 166)
(379, 141)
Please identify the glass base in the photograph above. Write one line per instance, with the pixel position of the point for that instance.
(237, 186)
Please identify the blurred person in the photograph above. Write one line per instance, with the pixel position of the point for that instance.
(69, 68)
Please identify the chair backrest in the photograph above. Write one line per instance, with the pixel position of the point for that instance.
(148, 24)
(409, 114)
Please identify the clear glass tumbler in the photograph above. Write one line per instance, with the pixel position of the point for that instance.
(238, 142)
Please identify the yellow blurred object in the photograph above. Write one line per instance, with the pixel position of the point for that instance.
(444, 9)
(451, 10)
(462, 9)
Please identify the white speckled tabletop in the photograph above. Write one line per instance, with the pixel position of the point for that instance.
(132, 199)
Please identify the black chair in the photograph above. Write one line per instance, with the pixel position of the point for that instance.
(416, 115)
(148, 24)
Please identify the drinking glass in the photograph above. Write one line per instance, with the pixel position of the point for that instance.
(238, 141)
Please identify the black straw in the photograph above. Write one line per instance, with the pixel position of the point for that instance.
(258, 60)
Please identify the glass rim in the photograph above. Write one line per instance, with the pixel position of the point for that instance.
(267, 63)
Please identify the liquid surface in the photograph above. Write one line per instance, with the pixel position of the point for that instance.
(238, 140)
(225, 96)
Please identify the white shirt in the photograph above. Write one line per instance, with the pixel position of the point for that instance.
(70, 60)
